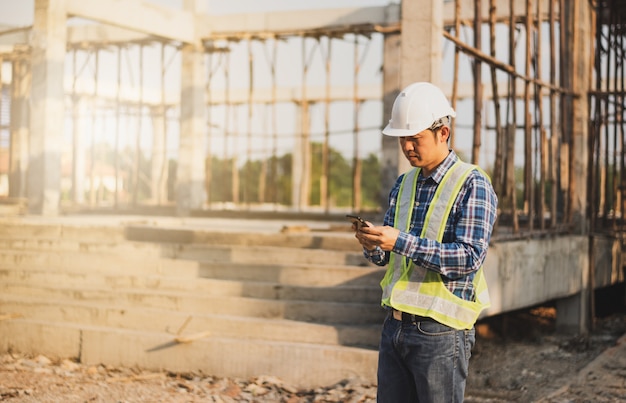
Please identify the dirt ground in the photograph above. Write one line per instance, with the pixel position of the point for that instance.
(518, 358)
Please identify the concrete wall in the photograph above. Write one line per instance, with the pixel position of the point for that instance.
(524, 273)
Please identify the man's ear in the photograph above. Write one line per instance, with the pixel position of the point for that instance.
(445, 133)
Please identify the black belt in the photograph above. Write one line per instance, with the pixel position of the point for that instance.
(409, 317)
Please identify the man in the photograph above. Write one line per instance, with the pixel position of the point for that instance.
(434, 238)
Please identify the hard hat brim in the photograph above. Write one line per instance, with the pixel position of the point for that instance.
(393, 132)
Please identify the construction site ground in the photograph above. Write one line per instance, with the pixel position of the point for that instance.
(519, 357)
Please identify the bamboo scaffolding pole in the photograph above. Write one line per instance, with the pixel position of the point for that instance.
(511, 131)
(117, 127)
(478, 87)
(455, 74)
(356, 161)
(92, 188)
(606, 168)
(274, 168)
(621, 77)
(324, 196)
(528, 147)
(235, 158)
(497, 179)
(508, 68)
(248, 172)
(554, 134)
(542, 142)
(566, 105)
(230, 135)
(74, 124)
(161, 184)
(263, 173)
(208, 163)
(137, 161)
(596, 131)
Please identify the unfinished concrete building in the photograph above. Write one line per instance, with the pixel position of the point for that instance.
(102, 111)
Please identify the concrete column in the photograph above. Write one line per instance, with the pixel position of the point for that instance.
(47, 108)
(190, 191)
(422, 36)
(414, 55)
(20, 123)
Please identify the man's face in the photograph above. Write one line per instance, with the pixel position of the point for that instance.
(421, 149)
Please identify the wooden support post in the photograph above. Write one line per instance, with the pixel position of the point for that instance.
(356, 161)
(478, 84)
(497, 178)
(528, 147)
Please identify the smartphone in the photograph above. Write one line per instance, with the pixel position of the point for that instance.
(357, 220)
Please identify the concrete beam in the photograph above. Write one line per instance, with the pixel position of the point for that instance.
(139, 16)
(176, 24)
(83, 35)
(296, 21)
(10, 36)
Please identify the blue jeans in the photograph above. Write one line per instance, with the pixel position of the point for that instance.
(422, 361)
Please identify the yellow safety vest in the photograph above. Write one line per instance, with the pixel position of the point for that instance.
(417, 290)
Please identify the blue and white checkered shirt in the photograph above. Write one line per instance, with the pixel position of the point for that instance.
(465, 239)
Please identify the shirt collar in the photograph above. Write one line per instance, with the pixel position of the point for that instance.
(442, 168)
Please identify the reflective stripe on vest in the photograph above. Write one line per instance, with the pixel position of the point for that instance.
(414, 289)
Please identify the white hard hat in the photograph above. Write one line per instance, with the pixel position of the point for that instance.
(416, 109)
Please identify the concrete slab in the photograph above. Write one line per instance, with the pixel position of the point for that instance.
(300, 310)
(122, 282)
(302, 365)
(40, 337)
(171, 322)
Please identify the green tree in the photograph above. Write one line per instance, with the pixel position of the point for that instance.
(370, 182)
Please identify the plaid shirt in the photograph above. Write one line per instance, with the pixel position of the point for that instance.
(466, 236)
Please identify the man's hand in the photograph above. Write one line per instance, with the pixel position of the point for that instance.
(370, 237)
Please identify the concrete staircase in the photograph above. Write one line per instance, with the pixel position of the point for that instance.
(300, 306)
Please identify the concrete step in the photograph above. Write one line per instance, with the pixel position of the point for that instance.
(284, 254)
(104, 262)
(337, 241)
(300, 310)
(301, 364)
(159, 320)
(18, 229)
(81, 245)
(296, 273)
(368, 293)
(330, 241)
